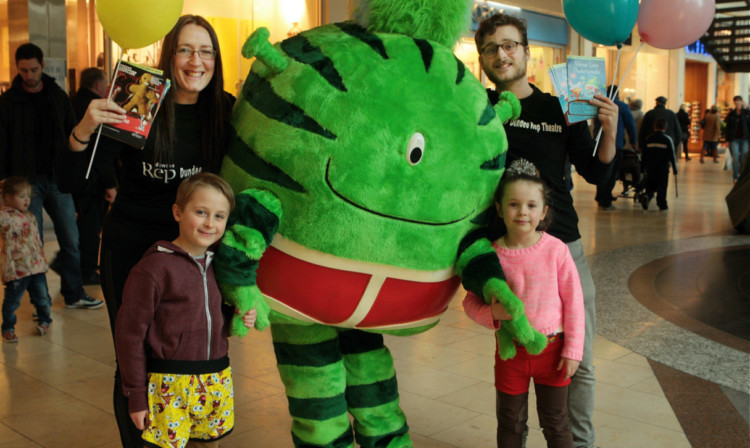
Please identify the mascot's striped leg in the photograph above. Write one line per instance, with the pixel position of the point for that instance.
(329, 371)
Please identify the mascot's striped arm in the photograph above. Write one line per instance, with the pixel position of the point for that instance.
(250, 229)
(482, 274)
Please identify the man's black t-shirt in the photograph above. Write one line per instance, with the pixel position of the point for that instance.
(542, 136)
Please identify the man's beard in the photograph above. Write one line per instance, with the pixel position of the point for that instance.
(504, 84)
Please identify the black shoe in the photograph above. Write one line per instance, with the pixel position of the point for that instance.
(644, 200)
(92, 279)
(663, 209)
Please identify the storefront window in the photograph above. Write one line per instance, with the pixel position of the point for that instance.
(647, 78)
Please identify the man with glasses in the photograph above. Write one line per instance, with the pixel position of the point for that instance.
(542, 136)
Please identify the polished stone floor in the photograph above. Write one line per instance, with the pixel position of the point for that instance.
(671, 351)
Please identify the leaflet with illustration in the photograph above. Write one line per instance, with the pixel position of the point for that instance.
(140, 91)
(587, 76)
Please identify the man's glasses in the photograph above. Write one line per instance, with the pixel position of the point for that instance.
(509, 47)
(203, 53)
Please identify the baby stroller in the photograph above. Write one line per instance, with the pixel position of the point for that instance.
(631, 174)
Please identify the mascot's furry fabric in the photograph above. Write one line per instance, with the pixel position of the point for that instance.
(367, 156)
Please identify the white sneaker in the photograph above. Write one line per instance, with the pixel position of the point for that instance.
(86, 303)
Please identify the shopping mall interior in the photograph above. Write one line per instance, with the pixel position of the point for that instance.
(672, 347)
(671, 350)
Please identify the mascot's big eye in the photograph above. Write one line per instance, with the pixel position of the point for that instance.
(415, 149)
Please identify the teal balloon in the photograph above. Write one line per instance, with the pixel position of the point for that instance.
(605, 22)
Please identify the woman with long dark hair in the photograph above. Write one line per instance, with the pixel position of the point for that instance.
(190, 134)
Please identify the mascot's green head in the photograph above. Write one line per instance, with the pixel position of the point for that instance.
(381, 146)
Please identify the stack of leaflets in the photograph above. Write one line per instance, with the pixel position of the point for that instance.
(576, 83)
(139, 90)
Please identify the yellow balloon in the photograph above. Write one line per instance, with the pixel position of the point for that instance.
(137, 23)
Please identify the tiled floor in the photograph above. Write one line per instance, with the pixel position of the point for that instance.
(55, 391)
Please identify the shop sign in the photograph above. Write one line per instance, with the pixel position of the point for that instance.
(697, 47)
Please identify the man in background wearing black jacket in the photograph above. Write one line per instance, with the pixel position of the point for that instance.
(36, 119)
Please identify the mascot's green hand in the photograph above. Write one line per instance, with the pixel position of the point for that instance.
(518, 327)
(500, 290)
(245, 298)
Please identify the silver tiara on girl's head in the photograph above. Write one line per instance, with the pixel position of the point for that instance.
(522, 166)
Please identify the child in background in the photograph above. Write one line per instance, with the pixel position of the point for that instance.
(22, 258)
(657, 156)
(541, 272)
(172, 328)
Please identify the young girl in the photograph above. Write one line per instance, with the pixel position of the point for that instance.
(22, 258)
(540, 270)
(172, 327)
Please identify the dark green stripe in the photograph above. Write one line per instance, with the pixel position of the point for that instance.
(471, 238)
(248, 160)
(381, 441)
(317, 408)
(312, 355)
(479, 270)
(493, 164)
(461, 71)
(254, 214)
(357, 341)
(427, 53)
(301, 50)
(346, 440)
(260, 94)
(359, 33)
(487, 115)
(371, 395)
(233, 267)
(483, 218)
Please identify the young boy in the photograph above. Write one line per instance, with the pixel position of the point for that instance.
(171, 330)
(22, 258)
(657, 156)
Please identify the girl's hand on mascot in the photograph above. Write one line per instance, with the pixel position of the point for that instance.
(249, 317)
(568, 367)
(498, 311)
(139, 419)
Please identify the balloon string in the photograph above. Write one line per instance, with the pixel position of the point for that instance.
(611, 94)
(99, 131)
(617, 90)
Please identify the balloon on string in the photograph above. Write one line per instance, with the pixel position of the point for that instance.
(670, 24)
(605, 22)
(137, 23)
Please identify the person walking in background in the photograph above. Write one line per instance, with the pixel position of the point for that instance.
(649, 119)
(540, 271)
(190, 134)
(93, 197)
(625, 124)
(503, 47)
(738, 134)
(36, 118)
(22, 261)
(684, 119)
(637, 111)
(658, 155)
(711, 134)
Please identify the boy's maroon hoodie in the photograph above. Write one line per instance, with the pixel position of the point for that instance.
(171, 310)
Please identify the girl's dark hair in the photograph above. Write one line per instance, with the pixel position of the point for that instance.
(14, 185)
(213, 104)
(521, 169)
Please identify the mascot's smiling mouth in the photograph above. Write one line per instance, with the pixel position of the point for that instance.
(328, 181)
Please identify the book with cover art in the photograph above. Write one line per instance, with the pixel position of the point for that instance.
(139, 90)
(587, 77)
(559, 75)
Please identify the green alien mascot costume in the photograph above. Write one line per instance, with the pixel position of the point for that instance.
(366, 157)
